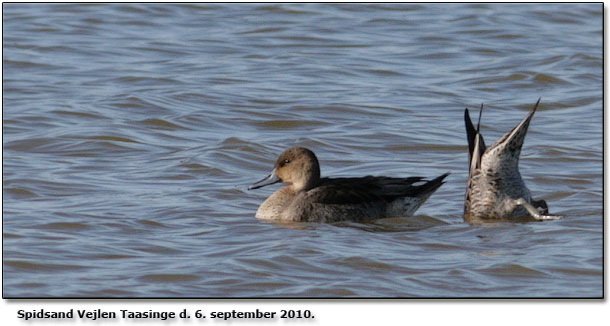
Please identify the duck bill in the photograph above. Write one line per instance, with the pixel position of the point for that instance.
(269, 180)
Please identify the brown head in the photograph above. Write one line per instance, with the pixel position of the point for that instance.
(297, 166)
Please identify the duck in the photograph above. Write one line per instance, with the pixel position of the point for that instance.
(310, 198)
(496, 190)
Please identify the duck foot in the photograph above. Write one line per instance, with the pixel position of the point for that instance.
(540, 216)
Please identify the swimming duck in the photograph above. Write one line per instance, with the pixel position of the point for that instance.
(496, 190)
(309, 198)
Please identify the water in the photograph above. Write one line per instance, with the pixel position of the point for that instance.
(131, 131)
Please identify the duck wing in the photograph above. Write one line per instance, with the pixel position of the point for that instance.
(370, 189)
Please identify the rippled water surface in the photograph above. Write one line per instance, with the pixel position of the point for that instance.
(131, 131)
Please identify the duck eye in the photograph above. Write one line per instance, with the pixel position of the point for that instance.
(286, 161)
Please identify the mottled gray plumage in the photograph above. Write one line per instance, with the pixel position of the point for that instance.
(310, 198)
(495, 187)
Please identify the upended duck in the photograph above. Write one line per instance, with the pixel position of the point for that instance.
(496, 190)
(309, 198)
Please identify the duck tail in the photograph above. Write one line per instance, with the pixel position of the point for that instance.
(510, 144)
(430, 187)
(476, 144)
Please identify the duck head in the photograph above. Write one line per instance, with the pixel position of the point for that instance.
(297, 166)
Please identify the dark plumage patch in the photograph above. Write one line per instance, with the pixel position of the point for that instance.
(341, 191)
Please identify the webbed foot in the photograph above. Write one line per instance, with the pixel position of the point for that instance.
(543, 214)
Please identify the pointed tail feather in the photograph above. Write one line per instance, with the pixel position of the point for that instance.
(476, 144)
(470, 133)
(512, 141)
(429, 187)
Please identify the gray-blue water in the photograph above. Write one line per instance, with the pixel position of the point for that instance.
(131, 131)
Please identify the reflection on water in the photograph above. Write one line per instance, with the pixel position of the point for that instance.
(131, 131)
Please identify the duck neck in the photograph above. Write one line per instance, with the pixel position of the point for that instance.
(309, 179)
